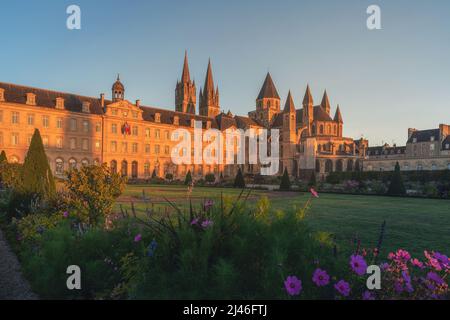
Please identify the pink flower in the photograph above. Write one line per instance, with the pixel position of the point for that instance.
(321, 277)
(314, 193)
(65, 214)
(194, 221)
(432, 261)
(293, 285)
(207, 223)
(138, 238)
(358, 264)
(415, 262)
(343, 288)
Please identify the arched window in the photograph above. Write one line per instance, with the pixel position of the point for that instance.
(321, 129)
(433, 166)
(350, 165)
(419, 167)
(448, 166)
(339, 165)
(134, 169)
(317, 165)
(59, 166)
(328, 129)
(147, 169)
(319, 148)
(329, 166)
(113, 166)
(124, 169)
(72, 163)
(313, 129)
(335, 129)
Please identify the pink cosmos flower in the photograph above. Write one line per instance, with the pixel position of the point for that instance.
(293, 285)
(314, 193)
(432, 261)
(358, 264)
(320, 277)
(138, 238)
(343, 288)
(367, 295)
(415, 262)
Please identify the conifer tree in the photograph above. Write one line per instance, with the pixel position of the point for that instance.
(239, 181)
(37, 176)
(188, 179)
(396, 188)
(285, 184)
(3, 157)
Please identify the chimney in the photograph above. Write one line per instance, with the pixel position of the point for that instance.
(411, 131)
(102, 99)
(444, 131)
(138, 103)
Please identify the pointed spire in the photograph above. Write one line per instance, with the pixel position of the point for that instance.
(307, 100)
(289, 106)
(209, 82)
(118, 77)
(268, 89)
(185, 76)
(325, 101)
(338, 116)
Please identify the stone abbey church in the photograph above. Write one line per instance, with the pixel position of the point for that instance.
(134, 140)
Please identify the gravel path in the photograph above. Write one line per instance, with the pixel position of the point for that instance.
(13, 286)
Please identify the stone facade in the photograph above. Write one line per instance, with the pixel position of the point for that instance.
(136, 140)
(424, 150)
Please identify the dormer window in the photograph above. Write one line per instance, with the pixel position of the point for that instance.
(447, 146)
(2, 94)
(432, 138)
(59, 103)
(158, 117)
(414, 140)
(86, 107)
(31, 99)
(176, 120)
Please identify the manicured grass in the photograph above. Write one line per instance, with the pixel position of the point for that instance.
(412, 224)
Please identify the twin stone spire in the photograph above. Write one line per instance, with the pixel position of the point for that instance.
(268, 98)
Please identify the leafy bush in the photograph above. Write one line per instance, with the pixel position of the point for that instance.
(396, 187)
(92, 191)
(285, 184)
(239, 181)
(210, 178)
(188, 179)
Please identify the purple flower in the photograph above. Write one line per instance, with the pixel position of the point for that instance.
(293, 285)
(432, 276)
(358, 264)
(152, 248)
(398, 286)
(208, 204)
(321, 277)
(367, 295)
(343, 288)
(384, 266)
(194, 221)
(442, 259)
(406, 276)
(138, 238)
(65, 214)
(409, 288)
(207, 223)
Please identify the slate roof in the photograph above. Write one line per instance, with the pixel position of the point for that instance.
(424, 135)
(268, 89)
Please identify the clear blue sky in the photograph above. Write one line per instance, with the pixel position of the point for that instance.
(385, 80)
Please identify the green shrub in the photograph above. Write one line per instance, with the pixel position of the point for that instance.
(239, 181)
(188, 179)
(210, 178)
(396, 187)
(285, 184)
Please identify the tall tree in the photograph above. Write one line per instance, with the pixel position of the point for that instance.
(3, 157)
(37, 176)
(188, 179)
(285, 184)
(239, 181)
(396, 188)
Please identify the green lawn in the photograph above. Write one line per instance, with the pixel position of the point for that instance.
(412, 224)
